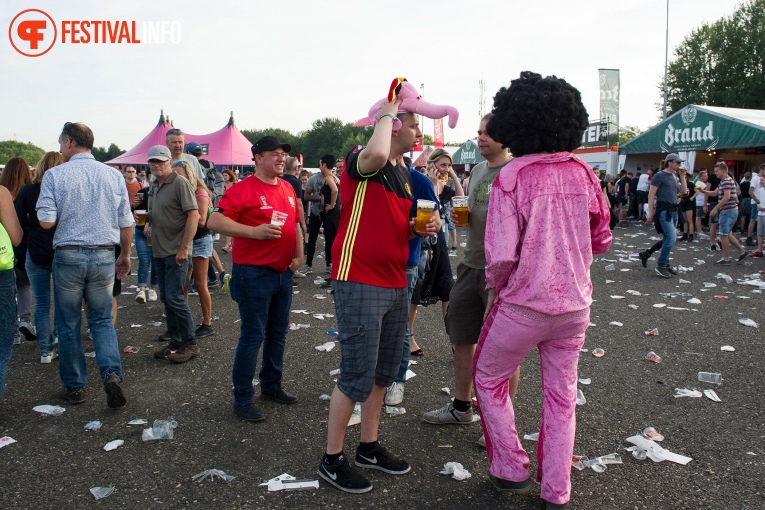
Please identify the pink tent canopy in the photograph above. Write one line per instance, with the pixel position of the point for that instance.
(225, 147)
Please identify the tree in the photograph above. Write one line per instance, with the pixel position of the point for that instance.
(627, 133)
(13, 149)
(721, 64)
(427, 140)
(104, 155)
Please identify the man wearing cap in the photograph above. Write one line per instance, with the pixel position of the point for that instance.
(172, 223)
(370, 289)
(262, 213)
(662, 200)
(174, 140)
(88, 227)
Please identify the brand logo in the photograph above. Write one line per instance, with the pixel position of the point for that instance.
(690, 135)
(689, 114)
(32, 33)
(373, 460)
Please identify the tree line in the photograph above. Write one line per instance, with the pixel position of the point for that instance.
(722, 63)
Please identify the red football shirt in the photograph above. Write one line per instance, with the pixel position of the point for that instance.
(252, 202)
(372, 242)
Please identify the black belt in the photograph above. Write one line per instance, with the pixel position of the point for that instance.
(109, 247)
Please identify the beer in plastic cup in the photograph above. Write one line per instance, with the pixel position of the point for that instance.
(148, 238)
(140, 217)
(278, 218)
(460, 207)
(425, 210)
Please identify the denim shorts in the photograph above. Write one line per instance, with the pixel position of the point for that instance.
(727, 219)
(202, 247)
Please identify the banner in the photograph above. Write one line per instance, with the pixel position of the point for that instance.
(609, 103)
(438, 133)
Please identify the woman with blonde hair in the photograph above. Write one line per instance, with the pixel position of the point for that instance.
(39, 257)
(16, 176)
(201, 249)
(437, 280)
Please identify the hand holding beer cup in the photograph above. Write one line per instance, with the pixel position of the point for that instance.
(425, 210)
(460, 211)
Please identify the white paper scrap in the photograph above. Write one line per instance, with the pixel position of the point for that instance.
(457, 471)
(655, 452)
(711, 395)
(113, 445)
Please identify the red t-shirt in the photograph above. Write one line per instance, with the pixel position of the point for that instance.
(372, 242)
(252, 202)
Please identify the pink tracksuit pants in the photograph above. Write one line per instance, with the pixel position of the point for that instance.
(508, 335)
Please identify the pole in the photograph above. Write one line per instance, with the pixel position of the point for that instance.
(666, 65)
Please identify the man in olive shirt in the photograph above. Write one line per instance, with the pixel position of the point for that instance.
(468, 297)
(172, 222)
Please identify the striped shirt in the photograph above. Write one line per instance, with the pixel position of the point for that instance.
(87, 199)
(727, 184)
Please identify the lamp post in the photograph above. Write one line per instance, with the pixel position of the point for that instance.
(666, 65)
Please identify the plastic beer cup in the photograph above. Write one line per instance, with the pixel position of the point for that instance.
(460, 208)
(425, 210)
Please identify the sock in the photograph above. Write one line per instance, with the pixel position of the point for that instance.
(367, 447)
(461, 405)
(331, 459)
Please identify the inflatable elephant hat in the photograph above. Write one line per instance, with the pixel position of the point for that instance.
(411, 102)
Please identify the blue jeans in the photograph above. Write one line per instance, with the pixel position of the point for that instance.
(264, 297)
(670, 236)
(40, 279)
(171, 278)
(7, 322)
(411, 282)
(145, 261)
(89, 275)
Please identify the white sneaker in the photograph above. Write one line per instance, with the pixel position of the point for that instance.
(140, 297)
(216, 237)
(482, 441)
(298, 274)
(46, 357)
(394, 395)
(449, 415)
(152, 295)
(28, 330)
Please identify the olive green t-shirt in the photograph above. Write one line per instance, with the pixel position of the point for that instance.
(168, 205)
(479, 187)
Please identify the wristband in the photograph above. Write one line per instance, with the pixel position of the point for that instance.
(392, 117)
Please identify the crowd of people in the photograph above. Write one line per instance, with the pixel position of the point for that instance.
(63, 245)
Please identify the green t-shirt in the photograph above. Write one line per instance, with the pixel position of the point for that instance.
(479, 187)
(168, 205)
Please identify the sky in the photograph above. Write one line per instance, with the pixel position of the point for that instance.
(287, 63)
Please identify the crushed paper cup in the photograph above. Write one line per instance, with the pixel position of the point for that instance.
(652, 434)
(325, 347)
(113, 445)
(685, 392)
(101, 492)
(455, 469)
(711, 395)
(598, 353)
(6, 440)
(49, 410)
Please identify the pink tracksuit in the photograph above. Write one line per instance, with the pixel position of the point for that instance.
(547, 216)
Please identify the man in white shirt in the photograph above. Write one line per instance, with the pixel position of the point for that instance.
(643, 188)
(755, 189)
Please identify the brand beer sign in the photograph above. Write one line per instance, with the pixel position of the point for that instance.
(692, 135)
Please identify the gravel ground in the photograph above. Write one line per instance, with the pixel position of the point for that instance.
(56, 461)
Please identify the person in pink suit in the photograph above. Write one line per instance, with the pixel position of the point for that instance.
(547, 217)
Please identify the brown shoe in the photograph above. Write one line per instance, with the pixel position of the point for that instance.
(184, 353)
(164, 351)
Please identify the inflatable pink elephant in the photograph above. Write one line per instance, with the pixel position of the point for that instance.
(411, 102)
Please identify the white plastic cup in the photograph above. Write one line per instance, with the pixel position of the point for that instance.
(278, 218)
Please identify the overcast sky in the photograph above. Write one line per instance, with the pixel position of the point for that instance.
(286, 63)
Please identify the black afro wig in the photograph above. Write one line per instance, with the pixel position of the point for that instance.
(538, 114)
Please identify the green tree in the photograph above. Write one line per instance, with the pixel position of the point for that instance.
(13, 149)
(427, 140)
(627, 133)
(104, 155)
(721, 64)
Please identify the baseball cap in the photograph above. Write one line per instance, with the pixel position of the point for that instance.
(269, 143)
(194, 148)
(159, 152)
(673, 157)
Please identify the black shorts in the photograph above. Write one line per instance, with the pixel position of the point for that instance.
(687, 205)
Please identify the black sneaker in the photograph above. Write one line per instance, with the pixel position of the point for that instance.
(554, 506)
(114, 396)
(671, 271)
(193, 291)
(342, 476)
(663, 272)
(203, 330)
(164, 337)
(279, 395)
(743, 256)
(72, 395)
(507, 486)
(379, 458)
(713, 247)
(644, 256)
(249, 412)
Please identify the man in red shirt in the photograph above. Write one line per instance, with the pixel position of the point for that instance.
(369, 258)
(267, 251)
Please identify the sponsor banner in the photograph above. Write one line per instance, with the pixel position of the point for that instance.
(438, 133)
(609, 103)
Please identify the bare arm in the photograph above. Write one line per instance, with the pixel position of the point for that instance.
(228, 227)
(203, 201)
(192, 218)
(297, 259)
(459, 191)
(8, 217)
(377, 152)
(123, 261)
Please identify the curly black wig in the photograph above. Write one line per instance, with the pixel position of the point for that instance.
(538, 114)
